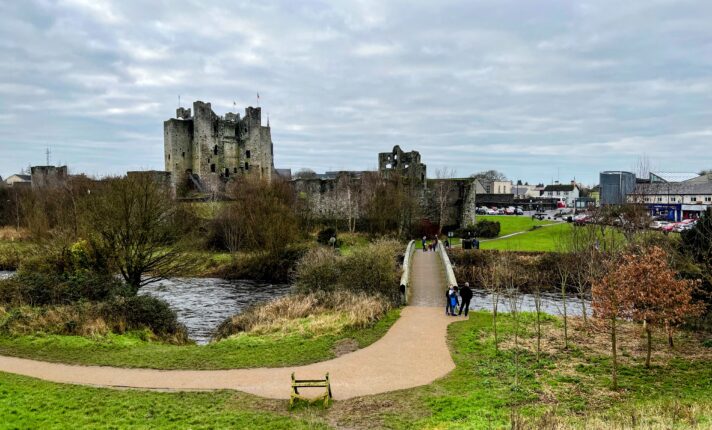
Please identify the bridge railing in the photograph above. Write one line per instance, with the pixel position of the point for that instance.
(405, 277)
(449, 272)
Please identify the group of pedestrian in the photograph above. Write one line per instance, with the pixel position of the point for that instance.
(458, 299)
(432, 246)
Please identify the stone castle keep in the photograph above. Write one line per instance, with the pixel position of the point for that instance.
(208, 149)
(205, 151)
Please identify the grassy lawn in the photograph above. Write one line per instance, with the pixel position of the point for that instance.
(27, 403)
(542, 239)
(245, 350)
(565, 389)
(512, 223)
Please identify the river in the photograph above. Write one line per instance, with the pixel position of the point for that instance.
(203, 303)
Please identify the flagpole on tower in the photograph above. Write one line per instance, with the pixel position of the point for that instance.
(258, 99)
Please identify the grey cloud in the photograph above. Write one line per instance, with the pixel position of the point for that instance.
(529, 88)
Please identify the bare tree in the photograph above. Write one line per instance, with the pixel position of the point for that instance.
(444, 186)
(134, 221)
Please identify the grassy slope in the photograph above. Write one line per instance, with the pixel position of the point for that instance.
(567, 389)
(512, 223)
(237, 352)
(30, 403)
(542, 239)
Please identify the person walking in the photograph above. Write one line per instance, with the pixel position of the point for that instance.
(448, 303)
(466, 296)
(453, 300)
(425, 248)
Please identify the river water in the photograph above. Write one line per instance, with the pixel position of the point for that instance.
(203, 303)
(551, 303)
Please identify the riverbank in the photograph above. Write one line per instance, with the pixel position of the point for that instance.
(303, 346)
(567, 388)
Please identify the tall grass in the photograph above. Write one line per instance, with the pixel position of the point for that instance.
(323, 312)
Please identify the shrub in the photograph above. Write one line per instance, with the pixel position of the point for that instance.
(91, 319)
(38, 288)
(325, 235)
(139, 312)
(318, 270)
(372, 269)
(276, 266)
(486, 228)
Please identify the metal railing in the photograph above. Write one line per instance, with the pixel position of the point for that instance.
(449, 272)
(405, 277)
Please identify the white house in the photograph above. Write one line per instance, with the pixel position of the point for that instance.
(567, 193)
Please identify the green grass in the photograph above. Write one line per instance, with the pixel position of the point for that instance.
(12, 253)
(565, 389)
(242, 351)
(542, 239)
(27, 403)
(512, 223)
(570, 387)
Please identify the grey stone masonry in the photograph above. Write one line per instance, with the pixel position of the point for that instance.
(215, 149)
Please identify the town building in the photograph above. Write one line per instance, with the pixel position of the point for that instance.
(567, 193)
(615, 187)
(674, 201)
(19, 180)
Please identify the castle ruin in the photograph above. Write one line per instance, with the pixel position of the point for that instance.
(208, 150)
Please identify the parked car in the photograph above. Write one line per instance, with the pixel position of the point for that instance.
(658, 225)
(581, 219)
(540, 216)
(668, 227)
(482, 210)
(491, 211)
(500, 211)
(518, 211)
(509, 211)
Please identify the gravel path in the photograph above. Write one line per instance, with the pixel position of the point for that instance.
(413, 352)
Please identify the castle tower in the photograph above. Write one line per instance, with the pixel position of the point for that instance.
(216, 149)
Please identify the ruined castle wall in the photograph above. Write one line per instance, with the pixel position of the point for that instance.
(178, 147)
(48, 176)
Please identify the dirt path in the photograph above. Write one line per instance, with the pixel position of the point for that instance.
(413, 353)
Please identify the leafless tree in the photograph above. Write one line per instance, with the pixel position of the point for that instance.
(134, 221)
(443, 187)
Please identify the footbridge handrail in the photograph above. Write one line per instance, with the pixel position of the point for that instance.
(449, 272)
(405, 277)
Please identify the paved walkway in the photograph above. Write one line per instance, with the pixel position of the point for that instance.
(412, 353)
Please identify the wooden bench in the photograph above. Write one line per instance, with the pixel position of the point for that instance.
(310, 383)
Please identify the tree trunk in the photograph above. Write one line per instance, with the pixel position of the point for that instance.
(583, 309)
(614, 371)
(566, 322)
(649, 335)
(668, 329)
(538, 334)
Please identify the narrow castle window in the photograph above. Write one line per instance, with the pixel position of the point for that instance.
(247, 154)
(212, 168)
(247, 165)
(215, 150)
(169, 157)
(227, 173)
(234, 170)
(183, 155)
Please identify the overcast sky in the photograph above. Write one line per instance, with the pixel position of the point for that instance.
(536, 89)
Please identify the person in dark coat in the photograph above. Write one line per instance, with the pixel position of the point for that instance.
(466, 296)
(425, 248)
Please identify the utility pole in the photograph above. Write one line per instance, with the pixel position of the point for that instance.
(47, 153)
